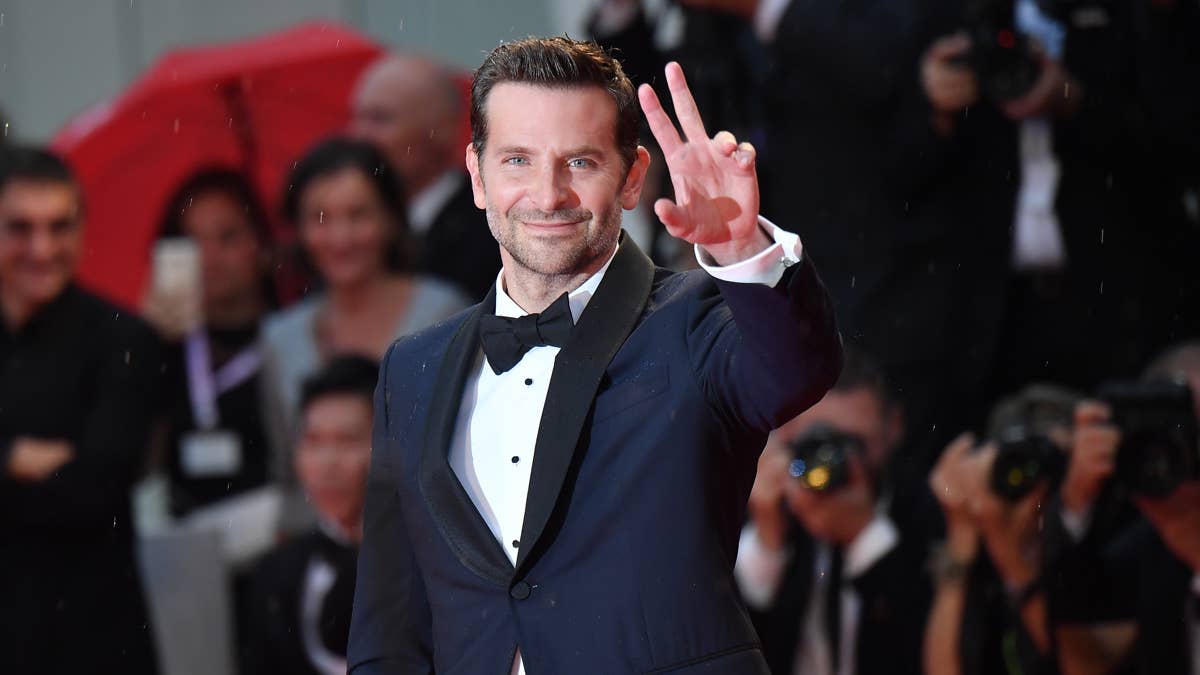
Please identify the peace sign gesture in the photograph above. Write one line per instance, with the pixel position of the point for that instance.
(716, 187)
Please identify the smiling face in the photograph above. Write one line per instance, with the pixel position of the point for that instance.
(345, 228)
(41, 238)
(551, 178)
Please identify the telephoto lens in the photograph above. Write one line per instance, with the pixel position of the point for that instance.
(1024, 427)
(821, 458)
(1024, 458)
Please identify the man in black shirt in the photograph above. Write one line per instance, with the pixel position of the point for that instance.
(76, 381)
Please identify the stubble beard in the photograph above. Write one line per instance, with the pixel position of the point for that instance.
(550, 261)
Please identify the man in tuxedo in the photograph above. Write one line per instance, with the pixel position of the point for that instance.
(302, 591)
(834, 575)
(412, 110)
(569, 499)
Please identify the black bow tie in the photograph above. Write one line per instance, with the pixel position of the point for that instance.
(506, 340)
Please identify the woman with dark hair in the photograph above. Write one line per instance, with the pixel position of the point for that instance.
(349, 214)
(215, 443)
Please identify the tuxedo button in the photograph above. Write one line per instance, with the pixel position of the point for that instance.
(520, 590)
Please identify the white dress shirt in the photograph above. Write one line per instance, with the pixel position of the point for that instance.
(1037, 234)
(759, 571)
(497, 426)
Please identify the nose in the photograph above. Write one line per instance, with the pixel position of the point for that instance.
(41, 244)
(551, 191)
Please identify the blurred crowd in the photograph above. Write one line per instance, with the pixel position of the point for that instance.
(1002, 196)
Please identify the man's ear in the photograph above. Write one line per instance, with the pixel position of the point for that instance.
(631, 192)
(472, 159)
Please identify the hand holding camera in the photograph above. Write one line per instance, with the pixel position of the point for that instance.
(830, 492)
(1176, 517)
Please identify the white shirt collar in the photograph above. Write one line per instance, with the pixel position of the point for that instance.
(424, 208)
(579, 298)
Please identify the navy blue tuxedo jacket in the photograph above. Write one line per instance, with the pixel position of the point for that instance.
(656, 412)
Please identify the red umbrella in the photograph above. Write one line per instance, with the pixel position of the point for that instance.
(253, 105)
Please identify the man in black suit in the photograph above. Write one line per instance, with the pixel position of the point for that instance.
(302, 591)
(834, 576)
(569, 500)
(412, 110)
(77, 384)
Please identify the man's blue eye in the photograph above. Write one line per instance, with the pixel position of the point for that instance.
(579, 163)
(515, 160)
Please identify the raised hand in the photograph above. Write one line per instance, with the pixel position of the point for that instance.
(716, 187)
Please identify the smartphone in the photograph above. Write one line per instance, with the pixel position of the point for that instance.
(176, 277)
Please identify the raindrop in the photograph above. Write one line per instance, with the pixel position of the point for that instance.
(853, 281)
(321, 217)
(1102, 235)
(1, 19)
(127, 357)
(176, 130)
(1101, 288)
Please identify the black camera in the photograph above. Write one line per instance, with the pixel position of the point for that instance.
(1001, 57)
(1022, 426)
(1159, 447)
(1024, 458)
(821, 458)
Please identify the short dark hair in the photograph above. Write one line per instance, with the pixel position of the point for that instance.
(860, 371)
(218, 180)
(35, 165)
(558, 63)
(344, 375)
(336, 154)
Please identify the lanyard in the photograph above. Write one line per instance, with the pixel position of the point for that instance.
(204, 385)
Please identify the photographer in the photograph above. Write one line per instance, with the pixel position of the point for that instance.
(830, 564)
(990, 606)
(1150, 566)
(1095, 89)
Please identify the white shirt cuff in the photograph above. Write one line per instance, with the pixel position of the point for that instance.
(1076, 523)
(758, 570)
(767, 267)
(767, 18)
(878, 538)
(1196, 584)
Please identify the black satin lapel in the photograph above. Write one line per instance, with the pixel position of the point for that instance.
(449, 504)
(610, 316)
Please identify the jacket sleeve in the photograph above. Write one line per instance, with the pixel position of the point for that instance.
(92, 489)
(390, 631)
(765, 354)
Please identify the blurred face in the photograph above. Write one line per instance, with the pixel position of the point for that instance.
(856, 411)
(334, 454)
(828, 515)
(41, 237)
(551, 178)
(395, 113)
(229, 248)
(345, 228)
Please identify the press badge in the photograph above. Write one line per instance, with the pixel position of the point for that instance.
(210, 454)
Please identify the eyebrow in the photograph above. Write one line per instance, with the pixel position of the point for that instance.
(573, 152)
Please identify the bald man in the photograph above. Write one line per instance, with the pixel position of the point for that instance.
(411, 109)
